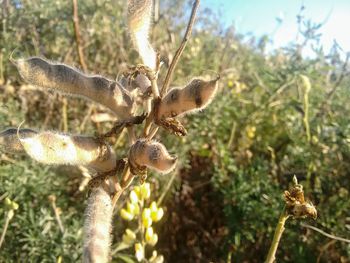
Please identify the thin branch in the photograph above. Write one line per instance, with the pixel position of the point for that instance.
(180, 49)
(277, 237)
(325, 234)
(78, 36)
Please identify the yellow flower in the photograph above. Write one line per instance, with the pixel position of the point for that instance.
(146, 217)
(133, 208)
(129, 237)
(126, 215)
(133, 197)
(156, 213)
(145, 191)
(250, 130)
(149, 233)
(151, 237)
(153, 240)
(230, 83)
(137, 190)
(139, 252)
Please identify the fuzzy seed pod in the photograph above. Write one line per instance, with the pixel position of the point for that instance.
(10, 142)
(54, 148)
(151, 154)
(195, 96)
(139, 22)
(97, 227)
(65, 79)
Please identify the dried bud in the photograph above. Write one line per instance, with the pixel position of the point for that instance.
(296, 204)
(139, 22)
(140, 81)
(151, 154)
(10, 142)
(65, 79)
(195, 96)
(55, 148)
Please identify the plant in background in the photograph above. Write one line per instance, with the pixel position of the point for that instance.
(136, 92)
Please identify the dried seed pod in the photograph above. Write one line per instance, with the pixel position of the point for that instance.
(62, 78)
(151, 154)
(10, 142)
(97, 227)
(139, 22)
(54, 148)
(195, 96)
(140, 81)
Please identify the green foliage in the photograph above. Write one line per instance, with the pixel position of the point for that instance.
(253, 135)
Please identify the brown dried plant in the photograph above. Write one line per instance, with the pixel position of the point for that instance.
(136, 91)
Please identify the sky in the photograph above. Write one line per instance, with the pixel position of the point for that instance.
(259, 17)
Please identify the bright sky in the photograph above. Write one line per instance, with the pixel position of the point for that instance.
(259, 17)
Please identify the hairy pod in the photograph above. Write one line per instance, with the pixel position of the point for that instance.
(10, 142)
(54, 148)
(97, 227)
(139, 23)
(151, 154)
(62, 78)
(194, 96)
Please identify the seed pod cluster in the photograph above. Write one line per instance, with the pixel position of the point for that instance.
(139, 22)
(151, 154)
(62, 78)
(97, 228)
(54, 148)
(194, 96)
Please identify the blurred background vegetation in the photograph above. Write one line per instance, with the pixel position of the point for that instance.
(239, 156)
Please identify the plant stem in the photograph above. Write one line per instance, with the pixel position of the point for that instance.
(8, 218)
(277, 237)
(180, 49)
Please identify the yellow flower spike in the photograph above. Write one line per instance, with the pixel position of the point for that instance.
(126, 215)
(133, 208)
(139, 252)
(145, 191)
(133, 197)
(129, 237)
(149, 234)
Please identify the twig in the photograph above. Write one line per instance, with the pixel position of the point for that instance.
(277, 237)
(165, 191)
(180, 49)
(52, 200)
(325, 234)
(78, 36)
(8, 218)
